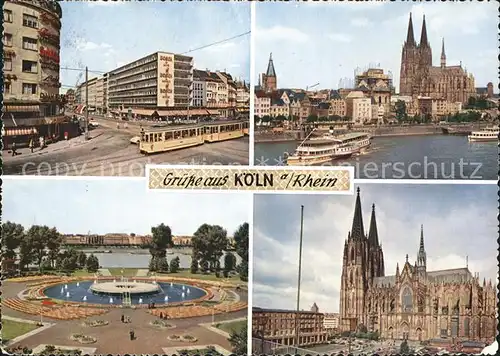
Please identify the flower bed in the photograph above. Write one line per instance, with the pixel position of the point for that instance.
(174, 338)
(95, 323)
(188, 338)
(161, 324)
(83, 339)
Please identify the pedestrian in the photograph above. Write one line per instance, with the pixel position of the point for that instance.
(14, 148)
(161, 315)
(131, 333)
(42, 142)
(31, 144)
(123, 318)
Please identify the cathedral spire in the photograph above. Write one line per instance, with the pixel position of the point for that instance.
(373, 233)
(410, 39)
(443, 56)
(423, 36)
(270, 67)
(357, 231)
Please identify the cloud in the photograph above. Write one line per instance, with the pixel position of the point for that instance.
(281, 33)
(340, 37)
(360, 22)
(445, 211)
(93, 3)
(84, 45)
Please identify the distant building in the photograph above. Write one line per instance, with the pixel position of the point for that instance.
(278, 326)
(269, 80)
(331, 322)
(358, 108)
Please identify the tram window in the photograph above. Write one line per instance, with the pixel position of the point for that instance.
(177, 135)
(151, 137)
(193, 133)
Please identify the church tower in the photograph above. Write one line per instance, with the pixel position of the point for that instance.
(375, 253)
(443, 56)
(424, 49)
(354, 280)
(421, 256)
(270, 79)
(409, 62)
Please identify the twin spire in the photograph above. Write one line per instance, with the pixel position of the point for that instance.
(358, 230)
(410, 39)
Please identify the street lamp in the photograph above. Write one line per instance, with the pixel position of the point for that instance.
(297, 316)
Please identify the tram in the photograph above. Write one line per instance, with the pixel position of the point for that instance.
(223, 130)
(246, 124)
(155, 140)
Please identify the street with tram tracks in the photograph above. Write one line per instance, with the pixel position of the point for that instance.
(109, 152)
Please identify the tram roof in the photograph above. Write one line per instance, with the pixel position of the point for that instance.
(193, 126)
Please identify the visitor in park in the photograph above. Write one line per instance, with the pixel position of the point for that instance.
(131, 334)
(153, 305)
(14, 149)
(123, 318)
(161, 315)
(31, 144)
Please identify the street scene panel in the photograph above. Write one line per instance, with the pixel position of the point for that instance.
(396, 91)
(92, 273)
(390, 270)
(135, 83)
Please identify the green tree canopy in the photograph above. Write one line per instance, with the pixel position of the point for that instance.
(12, 235)
(175, 264)
(238, 341)
(92, 263)
(194, 265)
(161, 240)
(241, 241)
(229, 262)
(209, 243)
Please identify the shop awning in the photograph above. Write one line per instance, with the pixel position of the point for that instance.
(22, 108)
(20, 131)
(79, 109)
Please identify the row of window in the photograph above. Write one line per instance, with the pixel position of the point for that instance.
(28, 88)
(28, 43)
(26, 67)
(28, 20)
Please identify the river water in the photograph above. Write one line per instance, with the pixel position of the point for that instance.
(407, 157)
(129, 260)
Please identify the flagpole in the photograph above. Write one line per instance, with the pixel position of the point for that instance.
(297, 317)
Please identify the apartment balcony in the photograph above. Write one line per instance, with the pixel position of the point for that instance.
(183, 59)
(154, 94)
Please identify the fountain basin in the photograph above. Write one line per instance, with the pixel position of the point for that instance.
(118, 288)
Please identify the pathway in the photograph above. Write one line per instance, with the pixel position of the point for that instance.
(28, 334)
(104, 272)
(142, 273)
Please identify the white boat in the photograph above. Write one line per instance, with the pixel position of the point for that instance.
(324, 149)
(487, 134)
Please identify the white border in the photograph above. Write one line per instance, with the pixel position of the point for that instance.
(350, 169)
(426, 181)
(251, 131)
(250, 276)
(62, 177)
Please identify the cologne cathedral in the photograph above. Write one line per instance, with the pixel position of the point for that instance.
(414, 303)
(419, 78)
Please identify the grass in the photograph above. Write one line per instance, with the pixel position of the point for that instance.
(193, 352)
(233, 326)
(82, 273)
(127, 272)
(12, 329)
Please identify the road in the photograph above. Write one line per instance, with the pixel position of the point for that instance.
(110, 153)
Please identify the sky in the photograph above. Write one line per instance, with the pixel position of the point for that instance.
(326, 42)
(117, 206)
(458, 220)
(105, 35)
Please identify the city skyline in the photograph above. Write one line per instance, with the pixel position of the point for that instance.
(108, 38)
(99, 206)
(349, 36)
(447, 230)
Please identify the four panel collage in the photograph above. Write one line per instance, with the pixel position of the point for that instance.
(103, 252)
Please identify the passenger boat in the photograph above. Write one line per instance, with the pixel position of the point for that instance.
(168, 138)
(324, 149)
(457, 130)
(486, 134)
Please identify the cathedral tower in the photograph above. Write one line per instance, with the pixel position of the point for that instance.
(375, 253)
(354, 281)
(424, 49)
(409, 61)
(443, 56)
(421, 255)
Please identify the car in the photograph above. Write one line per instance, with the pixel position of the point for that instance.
(93, 123)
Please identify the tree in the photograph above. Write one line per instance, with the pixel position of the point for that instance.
(54, 241)
(161, 239)
(175, 264)
(404, 348)
(401, 114)
(229, 262)
(238, 341)
(243, 271)
(209, 242)
(82, 258)
(312, 118)
(92, 263)
(241, 241)
(162, 265)
(204, 266)
(12, 235)
(194, 265)
(153, 264)
(36, 239)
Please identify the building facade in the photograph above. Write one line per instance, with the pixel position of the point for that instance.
(414, 303)
(419, 77)
(279, 326)
(31, 40)
(331, 322)
(358, 107)
(158, 80)
(269, 80)
(90, 88)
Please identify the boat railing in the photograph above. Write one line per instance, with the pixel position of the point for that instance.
(310, 133)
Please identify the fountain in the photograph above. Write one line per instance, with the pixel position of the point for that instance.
(166, 298)
(140, 300)
(78, 284)
(62, 290)
(67, 294)
(135, 281)
(183, 295)
(95, 281)
(114, 280)
(84, 298)
(65, 286)
(171, 284)
(183, 287)
(188, 291)
(110, 300)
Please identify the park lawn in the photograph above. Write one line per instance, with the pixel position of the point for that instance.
(185, 273)
(127, 272)
(233, 326)
(12, 329)
(82, 273)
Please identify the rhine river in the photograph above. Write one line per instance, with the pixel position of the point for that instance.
(141, 260)
(407, 157)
